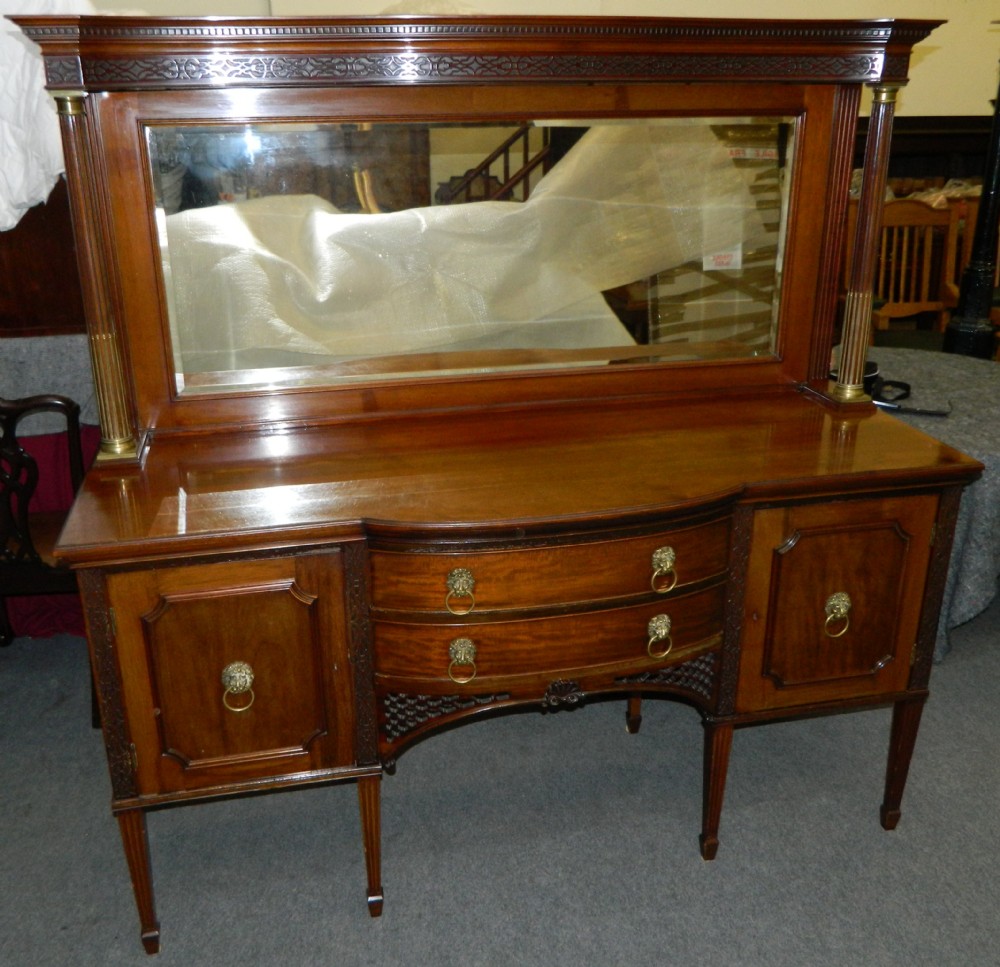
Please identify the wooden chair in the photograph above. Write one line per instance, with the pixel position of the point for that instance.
(27, 537)
(918, 252)
(917, 261)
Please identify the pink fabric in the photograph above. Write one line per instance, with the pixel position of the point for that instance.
(45, 615)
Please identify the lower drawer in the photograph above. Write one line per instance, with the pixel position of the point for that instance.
(500, 654)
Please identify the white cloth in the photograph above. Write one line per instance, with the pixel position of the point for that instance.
(31, 157)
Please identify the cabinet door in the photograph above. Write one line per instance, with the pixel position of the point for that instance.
(234, 672)
(834, 593)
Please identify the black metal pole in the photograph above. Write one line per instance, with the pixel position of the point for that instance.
(970, 331)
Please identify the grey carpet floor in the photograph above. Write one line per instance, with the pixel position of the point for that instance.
(555, 840)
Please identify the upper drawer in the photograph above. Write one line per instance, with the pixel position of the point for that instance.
(418, 579)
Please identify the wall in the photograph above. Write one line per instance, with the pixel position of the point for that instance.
(953, 72)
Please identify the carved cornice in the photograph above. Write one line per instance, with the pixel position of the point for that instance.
(297, 29)
(115, 53)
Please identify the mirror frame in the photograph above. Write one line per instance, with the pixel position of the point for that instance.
(232, 199)
(111, 75)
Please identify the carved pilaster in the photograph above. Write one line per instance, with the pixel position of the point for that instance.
(360, 645)
(101, 636)
(739, 560)
(937, 576)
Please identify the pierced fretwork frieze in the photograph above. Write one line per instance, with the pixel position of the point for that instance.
(404, 713)
(696, 676)
(275, 69)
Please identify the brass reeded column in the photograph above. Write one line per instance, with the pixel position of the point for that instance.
(858, 304)
(118, 440)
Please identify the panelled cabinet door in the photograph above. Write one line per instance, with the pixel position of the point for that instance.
(236, 671)
(833, 600)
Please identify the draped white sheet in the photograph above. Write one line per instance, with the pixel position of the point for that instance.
(275, 277)
(31, 157)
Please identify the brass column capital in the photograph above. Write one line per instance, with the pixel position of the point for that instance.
(69, 102)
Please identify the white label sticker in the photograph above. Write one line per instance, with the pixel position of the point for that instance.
(721, 261)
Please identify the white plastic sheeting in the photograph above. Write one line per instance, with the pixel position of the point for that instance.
(292, 275)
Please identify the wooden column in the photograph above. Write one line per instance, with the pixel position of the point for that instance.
(858, 305)
(118, 439)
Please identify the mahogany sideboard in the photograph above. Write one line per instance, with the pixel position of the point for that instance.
(372, 467)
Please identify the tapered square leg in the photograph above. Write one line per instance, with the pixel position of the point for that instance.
(718, 742)
(132, 826)
(369, 800)
(903, 737)
(633, 714)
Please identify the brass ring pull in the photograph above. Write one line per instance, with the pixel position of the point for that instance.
(838, 614)
(664, 561)
(659, 631)
(462, 652)
(460, 583)
(237, 679)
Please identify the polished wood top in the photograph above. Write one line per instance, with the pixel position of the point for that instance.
(505, 472)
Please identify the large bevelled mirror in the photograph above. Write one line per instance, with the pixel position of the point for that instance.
(303, 253)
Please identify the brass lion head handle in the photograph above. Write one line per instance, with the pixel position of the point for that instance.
(838, 614)
(659, 632)
(237, 679)
(462, 652)
(460, 584)
(664, 577)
